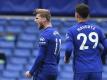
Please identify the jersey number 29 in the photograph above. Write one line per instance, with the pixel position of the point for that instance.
(90, 37)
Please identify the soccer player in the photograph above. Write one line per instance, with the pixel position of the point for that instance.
(46, 65)
(83, 41)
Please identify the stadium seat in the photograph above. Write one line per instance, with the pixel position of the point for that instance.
(4, 78)
(6, 51)
(34, 52)
(104, 75)
(68, 68)
(69, 23)
(62, 53)
(3, 21)
(7, 44)
(103, 25)
(1, 67)
(57, 24)
(66, 75)
(24, 79)
(27, 37)
(14, 67)
(22, 52)
(31, 30)
(105, 68)
(10, 74)
(2, 29)
(19, 22)
(18, 60)
(32, 23)
(14, 29)
(25, 44)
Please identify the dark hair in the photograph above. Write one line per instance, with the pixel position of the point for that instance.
(83, 10)
(43, 13)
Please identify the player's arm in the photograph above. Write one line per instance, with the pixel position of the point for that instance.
(103, 41)
(68, 47)
(40, 58)
(105, 47)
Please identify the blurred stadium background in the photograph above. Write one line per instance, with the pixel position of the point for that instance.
(19, 33)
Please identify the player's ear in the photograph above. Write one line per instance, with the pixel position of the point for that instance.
(43, 19)
(78, 16)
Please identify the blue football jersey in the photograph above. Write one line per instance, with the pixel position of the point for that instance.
(83, 40)
(49, 52)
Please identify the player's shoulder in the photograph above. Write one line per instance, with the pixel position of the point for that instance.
(53, 32)
(50, 32)
(97, 27)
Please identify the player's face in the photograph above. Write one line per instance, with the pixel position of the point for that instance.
(39, 21)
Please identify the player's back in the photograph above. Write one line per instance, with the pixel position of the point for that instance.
(86, 38)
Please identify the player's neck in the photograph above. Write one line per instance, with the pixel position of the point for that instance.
(48, 24)
(82, 20)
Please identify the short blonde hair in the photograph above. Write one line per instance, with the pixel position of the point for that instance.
(43, 13)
